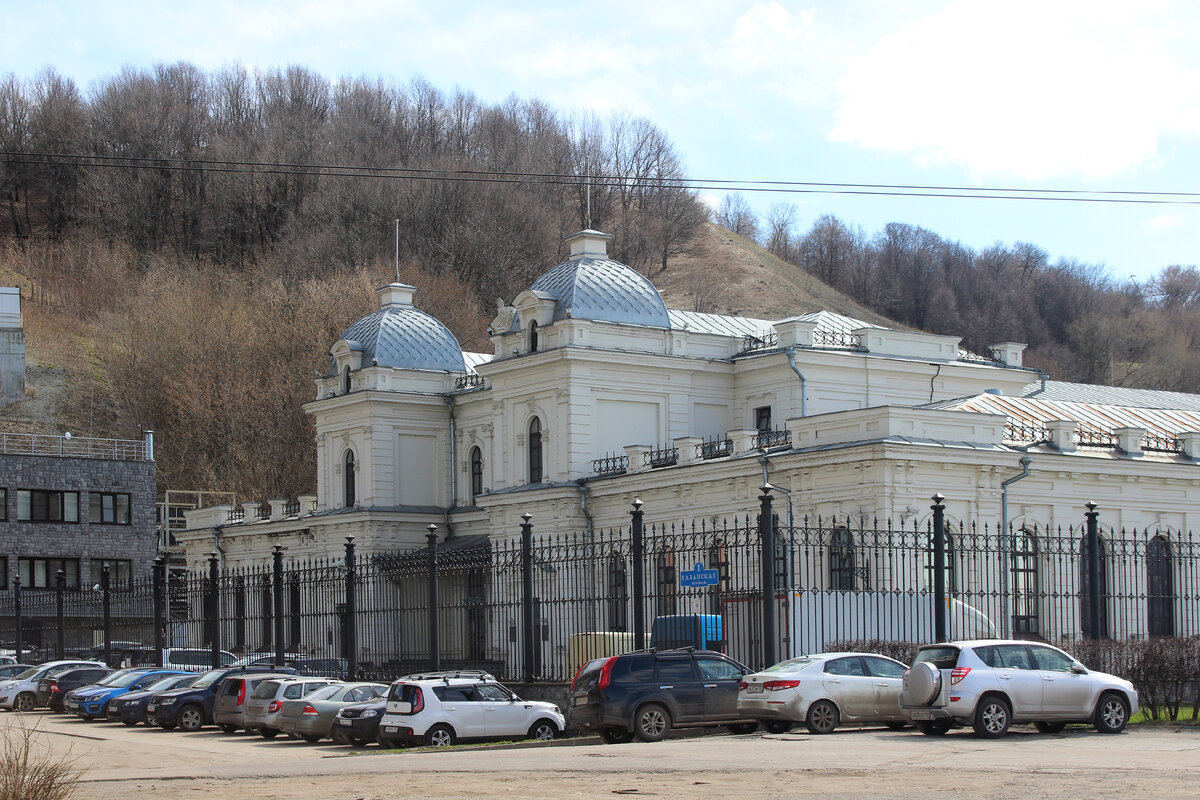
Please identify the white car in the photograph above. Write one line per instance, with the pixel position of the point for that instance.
(440, 708)
(823, 691)
(990, 684)
(20, 693)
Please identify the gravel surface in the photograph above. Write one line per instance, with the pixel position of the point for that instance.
(121, 762)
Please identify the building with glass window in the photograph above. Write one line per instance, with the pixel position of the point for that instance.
(596, 394)
(75, 505)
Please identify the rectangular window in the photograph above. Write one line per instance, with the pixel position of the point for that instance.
(4, 573)
(120, 572)
(40, 573)
(36, 505)
(762, 418)
(108, 509)
(3, 504)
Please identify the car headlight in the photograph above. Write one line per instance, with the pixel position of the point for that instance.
(369, 714)
(167, 701)
(129, 703)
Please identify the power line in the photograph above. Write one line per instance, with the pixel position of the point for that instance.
(301, 169)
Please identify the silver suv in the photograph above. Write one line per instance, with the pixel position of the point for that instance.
(990, 684)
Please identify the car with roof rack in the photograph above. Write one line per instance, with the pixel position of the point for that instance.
(439, 709)
(191, 708)
(648, 693)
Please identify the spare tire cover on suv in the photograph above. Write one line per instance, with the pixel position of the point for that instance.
(923, 683)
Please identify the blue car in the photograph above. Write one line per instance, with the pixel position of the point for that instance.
(91, 702)
(192, 708)
(130, 708)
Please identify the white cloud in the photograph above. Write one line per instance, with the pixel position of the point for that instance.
(1033, 89)
(1163, 222)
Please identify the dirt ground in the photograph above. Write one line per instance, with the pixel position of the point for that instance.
(119, 762)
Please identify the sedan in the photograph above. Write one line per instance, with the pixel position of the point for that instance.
(311, 717)
(823, 691)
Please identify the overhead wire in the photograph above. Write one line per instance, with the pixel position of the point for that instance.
(301, 169)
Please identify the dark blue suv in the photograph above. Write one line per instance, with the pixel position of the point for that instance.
(191, 708)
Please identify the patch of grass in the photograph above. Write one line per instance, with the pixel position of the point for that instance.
(1186, 717)
(30, 772)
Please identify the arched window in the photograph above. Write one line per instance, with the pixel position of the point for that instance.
(618, 594)
(535, 450)
(348, 478)
(1024, 578)
(842, 572)
(1160, 587)
(1085, 587)
(533, 336)
(346, 380)
(476, 473)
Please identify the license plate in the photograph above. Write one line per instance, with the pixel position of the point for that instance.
(389, 729)
(151, 707)
(754, 688)
(72, 704)
(921, 715)
(579, 700)
(345, 722)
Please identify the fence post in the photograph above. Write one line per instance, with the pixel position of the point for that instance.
(160, 622)
(351, 614)
(527, 640)
(17, 610)
(939, 568)
(214, 608)
(637, 553)
(60, 584)
(766, 536)
(435, 641)
(277, 601)
(1095, 630)
(106, 603)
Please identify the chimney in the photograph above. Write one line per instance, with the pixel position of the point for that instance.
(1008, 353)
(589, 244)
(396, 295)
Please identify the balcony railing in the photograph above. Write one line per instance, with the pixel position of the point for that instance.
(765, 440)
(714, 449)
(665, 457)
(33, 444)
(610, 465)
(469, 381)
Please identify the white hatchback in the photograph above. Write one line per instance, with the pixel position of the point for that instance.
(438, 709)
(20, 693)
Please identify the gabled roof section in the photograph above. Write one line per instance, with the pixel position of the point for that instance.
(1093, 416)
(1113, 395)
(717, 324)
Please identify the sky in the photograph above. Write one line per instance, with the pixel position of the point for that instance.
(1048, 96)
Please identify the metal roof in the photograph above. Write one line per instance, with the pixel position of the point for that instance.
(717, 324)
(1094, 416)
(1113, 395)
(603, 289)
(473, 360)
(403, 337)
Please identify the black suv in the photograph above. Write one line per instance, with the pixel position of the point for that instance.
(648, 692)
(191, 708)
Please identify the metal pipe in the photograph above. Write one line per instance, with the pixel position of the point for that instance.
(1004, 542)
(453, 468)
(791, 357)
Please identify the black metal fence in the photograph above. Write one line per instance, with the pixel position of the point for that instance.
(534, 606)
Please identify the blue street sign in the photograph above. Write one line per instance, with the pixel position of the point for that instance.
(698, 576)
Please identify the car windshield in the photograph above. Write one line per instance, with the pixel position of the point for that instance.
(208, 679)
(122, 680)
(940, 657)
(163, 684)
(790, 665)
(326, 692)
(27, 674)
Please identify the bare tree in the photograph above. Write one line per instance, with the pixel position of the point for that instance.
(736, 215)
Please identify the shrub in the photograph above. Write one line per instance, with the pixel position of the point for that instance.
(31, 772)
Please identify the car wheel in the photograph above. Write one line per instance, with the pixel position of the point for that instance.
(152, 720)
(268, 733)
(1050, 727)
(337, 737)
(651, 723)
(822, 717)
(311, 738)
(740, 728)
(895, 726)
(934, 728)
(440, 736)
(778, 725)
(25, 702)
(543, 730)
(992, 717)
(1112, 713)
(615, 735)
(191, 718)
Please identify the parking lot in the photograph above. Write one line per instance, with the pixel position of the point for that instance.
(120, 762)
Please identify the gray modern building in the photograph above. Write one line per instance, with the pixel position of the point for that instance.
(12, 347)
(76, 504)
